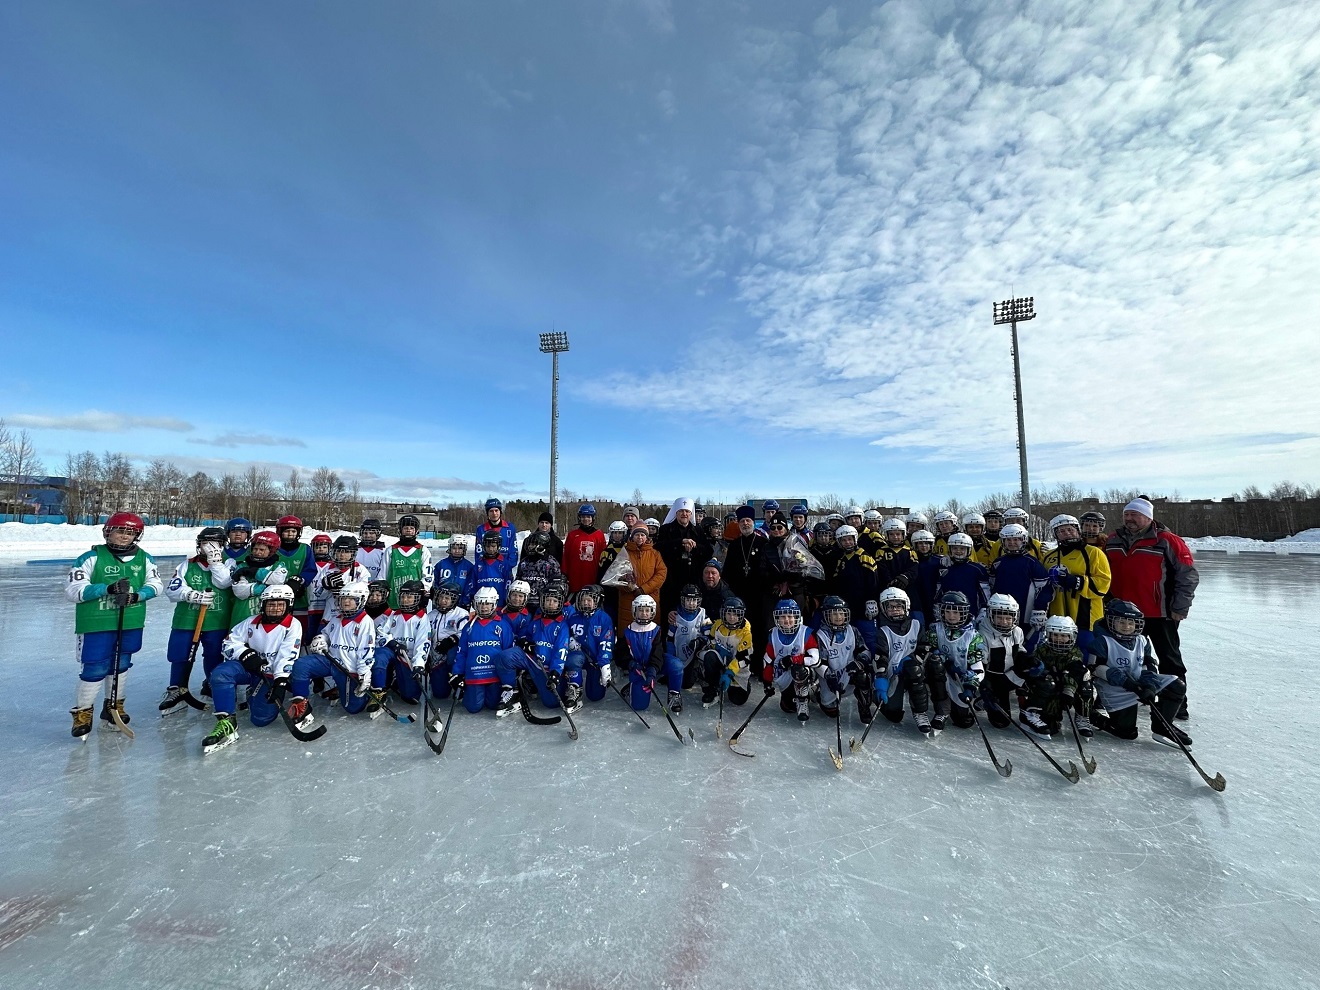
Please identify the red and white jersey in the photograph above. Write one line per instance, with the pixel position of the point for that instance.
(352, 642)
(316, 595)
(373, 559)
(279, 643)
(356, 573)
(412, 629)
(784, 650)
(447, 625)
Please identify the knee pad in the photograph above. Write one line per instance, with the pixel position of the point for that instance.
(963, 717)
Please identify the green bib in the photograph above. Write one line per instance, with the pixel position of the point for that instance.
(403, 567)
(103, 567)
(197, 577)
(294, 564)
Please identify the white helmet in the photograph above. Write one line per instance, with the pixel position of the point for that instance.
(845, 531)
(919, 519)
(1063, 519)
(1004, 607)
(1013, 531)
(1016, 514)
(485, 602)
(962, 541)
(519, 587)
(652, 521)
(871, 516)
(895, 596)
(355, 590)
(922, 536)
(854, 510)
(973, 519)
(277, 593)
(1060, 632)
(643, 608)
(618, 526)
(458, 540)
(893, 525)
(944, 515)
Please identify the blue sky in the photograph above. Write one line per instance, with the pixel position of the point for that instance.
(298, 234)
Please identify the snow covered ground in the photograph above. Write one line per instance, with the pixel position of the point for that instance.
(521, 859)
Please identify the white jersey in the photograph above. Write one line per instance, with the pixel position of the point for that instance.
(448, 625)
(352, 642)
(413, 630)
(1004, 652)
(838, 647)
(687, 633)
(962, 651)
(893, 647)
(782, 650)
(279, 644)
(1131, 660)
(316, 595)
(373, 559)
(356, 573)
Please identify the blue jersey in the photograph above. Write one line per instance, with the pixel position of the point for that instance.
(966, 576)
(1026, 580)
(549, 641)
(517, 621)
(494, 573)
(478, 644)
(508, 540)
(647, 646)
(459, 572)
(592, 636)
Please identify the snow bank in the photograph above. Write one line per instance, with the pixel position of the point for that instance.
(1241, 544)
(1305, 536)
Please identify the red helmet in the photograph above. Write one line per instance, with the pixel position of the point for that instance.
(268, 539)
(322, 538)
(124, 520)
(289, 521)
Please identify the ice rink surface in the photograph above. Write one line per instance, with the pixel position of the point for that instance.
(624, 860)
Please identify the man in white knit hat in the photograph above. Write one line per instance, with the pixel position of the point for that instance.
(1153, 569)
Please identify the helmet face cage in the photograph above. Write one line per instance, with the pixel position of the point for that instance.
(690, 599)
(954, 610)
(262, 549)
(490, 545)
(409, 522)
(1003, 618)
(446, 597)
(276, 606)
(321, 547)
(351, 602)
(823, 535)
(838, 616)
(378, 593)
(211, 534)
(1093, 524)
(552, 600)
(734, 615)
(344, 553)
(788, 618)
(587, 599)
(1061, 633)
(410, 600)
(1124, 619)
(369, 531)
(484, 602)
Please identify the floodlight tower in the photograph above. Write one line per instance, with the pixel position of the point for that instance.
(554, 343)
(1014, 311)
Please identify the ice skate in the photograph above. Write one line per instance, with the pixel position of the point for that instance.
(172, 702)
(374, 697)
(224, 733)
(937, 722)
(1084, 727)
(923, 724)
(300, 712)
(119, 707)
(675, 702)
(1030, 718)
(82, 722)
(572, 698)
(802, 705)
(508, 702)
(1171, 737)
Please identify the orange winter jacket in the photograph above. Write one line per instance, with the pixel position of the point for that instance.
(649, 572)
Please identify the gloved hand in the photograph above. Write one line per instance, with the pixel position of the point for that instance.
(319, 644)
(832, 679)
(872, 609)
(1116, 676)
(606, 675)
(446, 644)
(194, 597)
(1142, 691)
(251, 661)
(1150, 683)
(1058, 573)
(360, 685)
(726, 679)
(969, 688)
(1034, 669)
(900, 582)
(297, 584)
(882, 689)
(400, 651)
(1073, 583)
(247, 574)
(456, 683)
(213, 553)
(333, 580)
(125, 599)
(278, 574)
(120, 587)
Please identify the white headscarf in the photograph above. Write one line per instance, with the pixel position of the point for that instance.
(680, 503)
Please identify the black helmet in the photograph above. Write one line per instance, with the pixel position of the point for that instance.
(211, 534)
(1119, 610)
(407, 520)
(690, 593)
(414, 589)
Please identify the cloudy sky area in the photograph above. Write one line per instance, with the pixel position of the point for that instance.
(320, 233)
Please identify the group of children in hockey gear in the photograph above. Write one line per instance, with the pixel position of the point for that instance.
(943, 624)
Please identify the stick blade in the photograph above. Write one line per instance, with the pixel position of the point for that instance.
(1006, 770)
(853, 745)
(1219, 783)
(838, 760)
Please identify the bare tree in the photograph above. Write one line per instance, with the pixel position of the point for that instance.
(227, 495)
(19, 460)
(198, 490)
(257, 489)
(293, 491)
(326, 492)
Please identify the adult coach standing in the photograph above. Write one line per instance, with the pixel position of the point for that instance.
(1153, 569)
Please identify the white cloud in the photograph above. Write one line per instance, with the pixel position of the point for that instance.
(95, 421)
(1146, 172)
(232, 439)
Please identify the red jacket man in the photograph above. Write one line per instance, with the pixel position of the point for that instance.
(1153, 569)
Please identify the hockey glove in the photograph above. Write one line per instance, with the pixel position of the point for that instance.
(969, 688)
(606, 675)
(1073, 583)
(319, 644)
(252, 662)
(400, 651)
(1057, 574)
(194, 597)
(1117, 676)
(1034, 670)
(726, 679)
(882, 689)
(832, 680)
(872, 609)
(297, 584)
(213, 553)
(360, 685)
(333, 580)
(247, 574)
(456, 683)
(124, 600)
(1150, 683)
(120, 587)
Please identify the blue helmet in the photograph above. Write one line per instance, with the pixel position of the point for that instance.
(587, 509)
(770, 506)
(798, 510)
(238, 522)
(494, 503)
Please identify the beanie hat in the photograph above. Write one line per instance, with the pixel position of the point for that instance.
(746, 512)
(1141, 505)
(546, 517)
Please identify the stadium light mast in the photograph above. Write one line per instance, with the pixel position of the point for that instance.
(554, 343)
(1013, 312)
